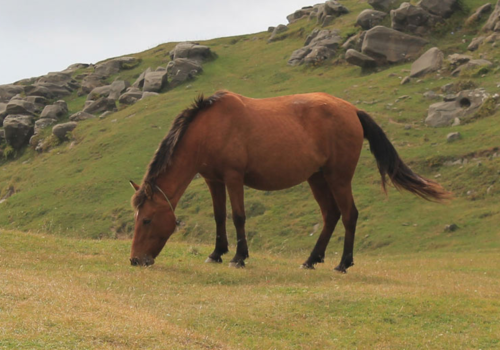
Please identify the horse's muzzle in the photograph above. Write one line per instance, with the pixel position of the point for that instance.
(146, 261)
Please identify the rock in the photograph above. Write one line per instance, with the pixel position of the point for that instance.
(278, 30)
(117, 88)
(75, 66)
(90, 82)
(431, 95)
(50, 90)
(324, 43)
(131, 96)
(492, 22)
(478, 14)
(192, 51)
(180, 70)
(147, 94)
(43, 123)
(100, 105)
(330, 8)
(472, 64)
(463, 106)
(18, 130)
(303, 12)
(270, 29)
(354, 42)
(39, 91)
(57, 78)
(405, 80)
(457, 59)
(113, 66)
(390, 46)
(20, 107)
(61, 130)
(474, 45)
(368, 19)
(80, 116)
(441, 8)
(453, 136)
(55, 111)
(39, 101)
(98, 92)
(358, 59)
(450, 228)
(8, 91)
(105, 115)
(413, 19)
(383, 5)
(430, 61)
(492, 38)
(155, 81)
(139, 82)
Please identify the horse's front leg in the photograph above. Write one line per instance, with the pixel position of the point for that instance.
(218, 192)
(234, 183)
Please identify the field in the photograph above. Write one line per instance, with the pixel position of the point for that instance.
(63, 293)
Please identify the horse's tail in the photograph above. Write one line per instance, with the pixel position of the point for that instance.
(389, 163)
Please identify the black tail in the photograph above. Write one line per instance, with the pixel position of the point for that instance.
(389, 163)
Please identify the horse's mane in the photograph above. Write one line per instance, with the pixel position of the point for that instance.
(163, 155)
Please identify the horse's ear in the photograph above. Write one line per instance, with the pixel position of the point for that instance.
(134, 185)
(148, 190)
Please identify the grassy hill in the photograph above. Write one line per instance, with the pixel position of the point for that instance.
(80, 188)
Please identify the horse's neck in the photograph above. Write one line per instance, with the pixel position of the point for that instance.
(177, 177)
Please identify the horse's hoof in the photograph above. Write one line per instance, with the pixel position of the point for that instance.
(213, 261)
(307, 266)
(237, 264)
(340, 269)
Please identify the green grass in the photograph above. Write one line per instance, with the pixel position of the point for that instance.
(62, 293)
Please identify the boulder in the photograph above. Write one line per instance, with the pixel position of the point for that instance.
(358, 59)
(8, 91)
(79, 116)
(57, 78)
(50, 90)
(75, 66)
(100, 105)
(139, 82)
(457, 59)
(472, 64)
(387, 45)
(182, 69)
(38, 101)
(463, 106)
(43, 123)
(492, 22)
(368, 19)
(98, 92)
(413, 19)
(317, 55)
(354, 42)
(108, 68)
(55, 111)
(90, 82)
(18, 130)
(147, 94)
(20, 107)
(61, 130)
(474, 45)
(155, 81)
(441, 8)
(430, 61)
(131, 96)
(478, 14)
(453, 136)
(383, 5)
(40, 91)
(278, 30)
(117, 88)
(303, 12)
(192, 51)
(320, 45)
(330, 8)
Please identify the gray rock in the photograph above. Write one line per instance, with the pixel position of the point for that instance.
(358, 59)
(20, 107)
(90, 82)
(113, 66)
(105, 115)
(368, 19)
(478, 14)
(278, 30)
(405, 80)
(57, 78)
(472, 64)
(474, 45)
(117, 88)
(322, 44)
(453, 136)
(330, 8)
(493, 21)
(390, 46)
(18, 130)
(450, 228)
(430, 61)
(441, 8)
(75, 66)
(180, 70)
(80, 116)
(139, 82)
(383, 5)
(155, 81)
(100, 105)
(431, 95)
(50, 90)
(9, 91)
(98, 92)
(130, 97)
(270, 29)
(61, 130)
(413, 19)
(40, 91)
(192, 51)
(354, 42)
(457, 59)
(303, 12)
(43, 123)
(147, 94)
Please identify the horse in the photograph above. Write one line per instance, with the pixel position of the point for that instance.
(266, 144)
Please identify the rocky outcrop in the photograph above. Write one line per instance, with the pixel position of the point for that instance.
(61, 130)
(108, 68)
(358, 59)
(479, 14)
(23, 107)
(441, 8)
(493, 22)
(277, 30)
(55, 111)
(80, 116)
(472, 64)
(319, 46)
(413, 19)
(139, 82)
(474, 45)
(386, 45)
(182, 69)
(299, 14)
(191, 51)
(383, 5)
(354, 42)
(131, 96)
(368, 19)
(18, 130)
(100, 105)
(8, 91)
(155, 81)
(430, 61)
(90, 82)
(43, 123)
(330, 10)
(456, 108)
(117, 88)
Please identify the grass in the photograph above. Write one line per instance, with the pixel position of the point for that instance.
(63, 293)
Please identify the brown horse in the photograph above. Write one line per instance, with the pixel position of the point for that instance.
(267, 144)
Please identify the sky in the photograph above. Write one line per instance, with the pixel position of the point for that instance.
(37, 37)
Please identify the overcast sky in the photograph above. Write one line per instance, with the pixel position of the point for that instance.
(37, 37)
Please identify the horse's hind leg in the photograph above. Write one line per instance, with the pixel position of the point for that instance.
(218, 192)
(331, 215)
(234, 183)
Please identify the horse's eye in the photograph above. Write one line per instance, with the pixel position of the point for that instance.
(146, 221)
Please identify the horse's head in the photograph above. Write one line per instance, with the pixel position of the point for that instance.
(154, 223)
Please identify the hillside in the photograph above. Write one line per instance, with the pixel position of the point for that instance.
(79, 187)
